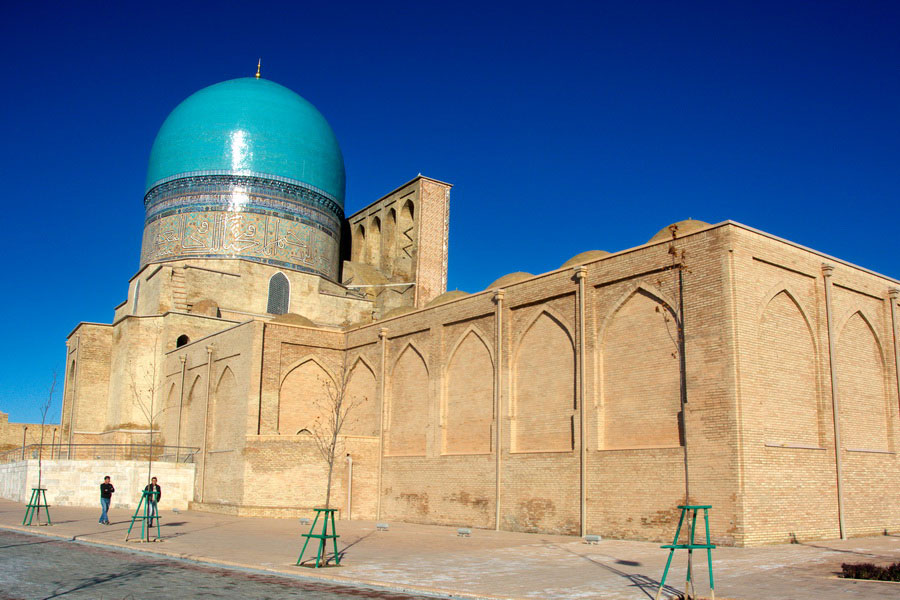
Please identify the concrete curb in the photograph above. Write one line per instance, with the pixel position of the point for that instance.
(154, 549)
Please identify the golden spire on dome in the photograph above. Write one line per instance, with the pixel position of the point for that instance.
(258, 67)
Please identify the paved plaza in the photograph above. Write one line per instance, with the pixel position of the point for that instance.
(422, 559)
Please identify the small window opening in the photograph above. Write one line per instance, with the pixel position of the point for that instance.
(181, 341)
(279, 294)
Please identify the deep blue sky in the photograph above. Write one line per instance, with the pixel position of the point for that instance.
(564, 127)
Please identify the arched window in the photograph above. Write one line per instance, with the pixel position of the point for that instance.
(279, 294)
(181, 341)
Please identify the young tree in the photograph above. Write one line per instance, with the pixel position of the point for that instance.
(44, 408)
(143, 395)
(674, 319)
(333, 409)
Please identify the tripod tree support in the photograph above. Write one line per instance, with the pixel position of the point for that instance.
(321, 559)
(35, 504)
(691, 510)
(142, 513)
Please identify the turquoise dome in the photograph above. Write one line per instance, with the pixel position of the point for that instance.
(253, 127)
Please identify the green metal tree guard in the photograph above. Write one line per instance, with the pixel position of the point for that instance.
(35, 504)
(690, 547)
(146, 497)
(323, 538)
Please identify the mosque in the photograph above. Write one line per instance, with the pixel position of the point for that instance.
(761, 373)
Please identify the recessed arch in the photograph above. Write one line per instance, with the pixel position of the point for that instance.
(410, 346)
(639, 372)
(225, 424)
(407, 410)
(305, 359)
(406, 239)
(477, 332)
(656, 295)
(361, 391)
(192, 421)
(170, 415)
(783, 288)
(182, 340)
(862, 385)
(467, 411)
(389, 242)
(550, 312)
(303, 396)
(358, 253)
(543, 390)
(862, 314)
(785, 362)
(374, 242)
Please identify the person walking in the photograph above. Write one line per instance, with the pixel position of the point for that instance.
(153, 498)
(106, 492)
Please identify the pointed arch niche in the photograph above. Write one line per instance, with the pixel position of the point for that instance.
(302, 397)
(786, 373)
(389, 243)
(192, 414)
(405, 240)
(544, 396)
(469, 397)
(359, 244)
(170, 416)
(227, 424)
(408, 408)
(361, 392)
(374, 243)
(641, 389)
(861, 382)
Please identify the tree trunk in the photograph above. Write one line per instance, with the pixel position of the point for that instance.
(328, 492)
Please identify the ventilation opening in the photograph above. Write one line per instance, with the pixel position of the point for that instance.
(181, 341)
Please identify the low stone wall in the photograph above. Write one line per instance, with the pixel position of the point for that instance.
(12, 481)
(77, 482)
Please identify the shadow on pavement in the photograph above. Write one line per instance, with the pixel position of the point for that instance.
(858, 553)
(27, 544)
(646, 584)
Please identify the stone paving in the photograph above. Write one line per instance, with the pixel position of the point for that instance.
(40, 567)
(489, 564)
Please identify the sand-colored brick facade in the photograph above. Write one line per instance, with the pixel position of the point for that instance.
(552, 404)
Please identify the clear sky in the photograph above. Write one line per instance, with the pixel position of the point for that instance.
(563, 126)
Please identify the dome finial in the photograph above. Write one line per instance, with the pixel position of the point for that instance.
(258, 67)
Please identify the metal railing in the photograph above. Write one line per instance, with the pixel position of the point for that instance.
(180, 454)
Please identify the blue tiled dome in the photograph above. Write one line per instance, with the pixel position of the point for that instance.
(250, 127)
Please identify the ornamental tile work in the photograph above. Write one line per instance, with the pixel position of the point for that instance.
(223, 216)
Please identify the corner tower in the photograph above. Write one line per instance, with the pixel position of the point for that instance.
(246, 169)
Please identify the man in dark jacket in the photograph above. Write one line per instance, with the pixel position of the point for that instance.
(106, 492)
(153, 498)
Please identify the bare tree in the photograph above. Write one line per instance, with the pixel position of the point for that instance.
(44, 407)
(334, 409)
(143, 395)
(674, 319)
